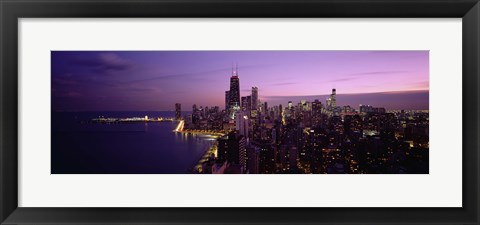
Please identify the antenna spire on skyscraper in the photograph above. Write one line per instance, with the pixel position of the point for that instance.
(235, 70)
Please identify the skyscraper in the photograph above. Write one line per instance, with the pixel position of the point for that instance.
(234, 99)
(242, 153)
(242, 124)
(316, 112)
(249, 102)
(254, 98)
(246, 103)
(231, 148)
(178, 111)
(333, 98)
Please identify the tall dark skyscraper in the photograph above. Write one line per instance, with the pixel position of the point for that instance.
(178, 111)
(234, 99)
(254, 98)
(333, 98)
(234, 89)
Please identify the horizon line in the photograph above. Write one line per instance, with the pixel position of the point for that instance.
(365, 93)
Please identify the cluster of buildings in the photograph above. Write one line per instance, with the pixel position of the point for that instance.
(310, 137)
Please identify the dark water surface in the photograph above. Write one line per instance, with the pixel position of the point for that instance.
(81, 147)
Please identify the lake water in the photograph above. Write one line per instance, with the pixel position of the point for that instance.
(82, 147)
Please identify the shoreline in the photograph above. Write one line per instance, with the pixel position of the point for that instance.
(213, 133)
(211, 149)
(208, 151)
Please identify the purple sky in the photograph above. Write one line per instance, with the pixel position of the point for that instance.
(156, 80)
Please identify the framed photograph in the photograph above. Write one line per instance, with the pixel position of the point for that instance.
(239, 112)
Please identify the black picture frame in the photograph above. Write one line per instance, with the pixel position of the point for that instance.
(12, 10)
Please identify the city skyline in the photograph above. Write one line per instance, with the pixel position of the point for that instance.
(244, 120)
(136, 81)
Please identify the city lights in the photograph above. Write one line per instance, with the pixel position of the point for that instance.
(309, 137)
(277, 112)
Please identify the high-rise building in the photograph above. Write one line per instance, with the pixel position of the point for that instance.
(246, 103)
(242, 124)
(249, 102)
(333, 98)
(232, 148)
(254, 98)
(234, 99)
(178, 111)
(224, 144)
(242, 152)
(266, 158)
(316, 112)
(234, 89)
